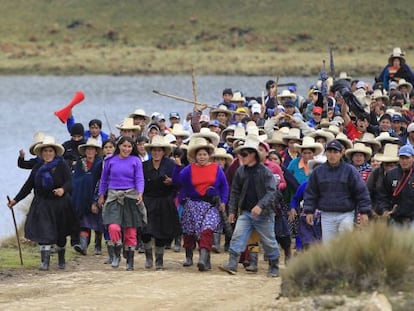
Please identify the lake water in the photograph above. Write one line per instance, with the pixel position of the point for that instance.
(28, 104)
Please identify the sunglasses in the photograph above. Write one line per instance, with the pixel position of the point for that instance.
(244, 154)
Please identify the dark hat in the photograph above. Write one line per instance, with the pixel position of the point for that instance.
(77, 129)
(335, 145)
(289, 103)
(228, 91)
(397, 118)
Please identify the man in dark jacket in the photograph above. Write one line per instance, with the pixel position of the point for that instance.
(338, 191)
(253, 193)
(397, 198)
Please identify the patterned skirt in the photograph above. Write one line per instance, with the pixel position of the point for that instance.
(199, 216)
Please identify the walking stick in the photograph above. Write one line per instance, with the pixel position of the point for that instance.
(17, 233)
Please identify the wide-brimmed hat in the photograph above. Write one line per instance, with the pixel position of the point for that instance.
(91, 142)
(128, 124)
(207, 134)
(390, 154)
(238, 97)
(384, 137)
(344, 76)
(220, 109)
(403, 82)
(368, 138)
(252, 128)
(309, 143)
(293, 134)
(221, 153)
(197, 143)
(396, 53)
(239, 134)
(178, 130)
(159, 141)
(251, 142)
(319, 159)
(322, 133)
(224, 132)
(277, 137)
(286, 94)
(379, 94)
(48, 141)
(361, 148)
(344, 140)
(37, 139)
(140, 113)
(332, 128)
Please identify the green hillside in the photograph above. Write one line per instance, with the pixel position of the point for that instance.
(224, 37)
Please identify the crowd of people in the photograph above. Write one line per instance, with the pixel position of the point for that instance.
(262, 171)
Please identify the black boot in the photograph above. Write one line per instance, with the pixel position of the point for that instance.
(83, 244)
(45, 257)
(177, 244)
(159, 257)
(202, 259)
(117, 255)
(98, 243)
(208, 262)
(110, 248)
(148, 255)
(216, 242)
(231, 266)
(188, 257)
(130, 258)
(61, 257)
(252, 267)
(273, 268)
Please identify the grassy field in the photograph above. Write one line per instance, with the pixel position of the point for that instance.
(217, 37)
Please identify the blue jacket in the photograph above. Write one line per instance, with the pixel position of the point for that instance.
(71, 121)
(336, 189)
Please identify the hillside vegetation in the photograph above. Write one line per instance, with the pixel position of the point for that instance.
(216, 37)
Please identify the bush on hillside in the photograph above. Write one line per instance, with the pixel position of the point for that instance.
(376, 257)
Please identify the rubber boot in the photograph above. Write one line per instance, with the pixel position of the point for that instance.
(110, 248)
(208, 262)
(148, 255)
(130, 258)
(273, 268)
(231, 266)
(45, 257)
(202, 259)
(117, 255)
(98, 243)
(252, 267)
(159, 257)
(177, 244)
(188, 257)
(61, 257)
(216, 242)
(83, 244)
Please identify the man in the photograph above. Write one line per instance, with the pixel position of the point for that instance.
(338, 191)
(253, 193)
(397, 198)
(227, 100)
(174, 119)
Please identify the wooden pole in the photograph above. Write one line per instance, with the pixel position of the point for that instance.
(17, 232)
(194, 87)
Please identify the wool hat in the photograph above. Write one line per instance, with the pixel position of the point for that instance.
(77, 129)
(49, 141)
(91, 142)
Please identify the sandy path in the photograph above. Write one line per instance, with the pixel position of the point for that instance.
(87, 284)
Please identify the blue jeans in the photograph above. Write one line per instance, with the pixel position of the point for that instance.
(264, 225)
(334, 223)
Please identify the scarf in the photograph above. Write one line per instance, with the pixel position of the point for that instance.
(43, 177)
(404, 179)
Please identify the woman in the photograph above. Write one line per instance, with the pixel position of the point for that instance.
(163, 224)
(50, 216)
(290, 139)
(204, 187)
(299, 166)
(396, 69)
(359, 156)
(122, 181)
(87, 173)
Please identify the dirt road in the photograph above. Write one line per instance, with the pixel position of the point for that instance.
(88, 284)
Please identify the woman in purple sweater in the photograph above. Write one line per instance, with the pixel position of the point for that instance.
(122, 182)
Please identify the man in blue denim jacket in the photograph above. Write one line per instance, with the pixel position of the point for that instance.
(253, 193)
(339, 192)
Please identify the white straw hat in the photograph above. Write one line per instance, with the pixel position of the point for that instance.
(48, 141)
